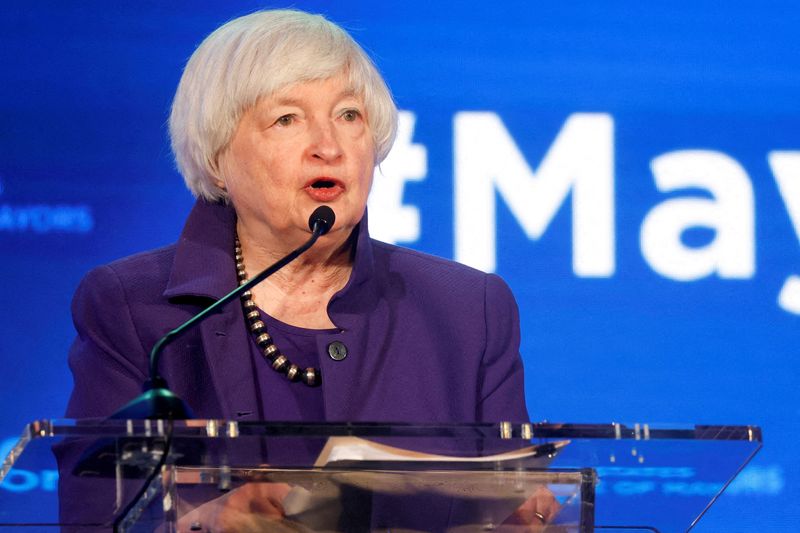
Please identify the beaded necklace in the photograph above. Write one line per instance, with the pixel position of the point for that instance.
(279, 362)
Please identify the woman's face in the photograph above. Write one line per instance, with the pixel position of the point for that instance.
(306, 145)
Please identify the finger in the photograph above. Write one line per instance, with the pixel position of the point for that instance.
(545, 504)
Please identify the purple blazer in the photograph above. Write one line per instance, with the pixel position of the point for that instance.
(428, 340)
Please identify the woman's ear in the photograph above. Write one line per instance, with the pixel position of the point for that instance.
(216, 171)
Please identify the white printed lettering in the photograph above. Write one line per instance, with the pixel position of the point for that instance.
(579, 161)
(786, 168)
(390, 220)
(730, 214)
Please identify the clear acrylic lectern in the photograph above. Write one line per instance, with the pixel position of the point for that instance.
(213, 475)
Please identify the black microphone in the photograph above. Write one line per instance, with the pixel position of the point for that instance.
(324, 217)
(157, 401)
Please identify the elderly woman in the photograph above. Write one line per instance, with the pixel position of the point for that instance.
(277, 113)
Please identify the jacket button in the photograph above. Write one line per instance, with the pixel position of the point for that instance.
(337, 350)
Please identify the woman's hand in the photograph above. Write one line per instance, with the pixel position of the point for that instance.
(536, 512)
(256, 507)
(251, 507)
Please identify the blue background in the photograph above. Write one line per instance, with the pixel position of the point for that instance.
(86, 176)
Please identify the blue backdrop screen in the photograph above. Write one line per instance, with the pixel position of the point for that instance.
(631, 169)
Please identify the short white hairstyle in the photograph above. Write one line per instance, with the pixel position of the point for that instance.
(252, 57)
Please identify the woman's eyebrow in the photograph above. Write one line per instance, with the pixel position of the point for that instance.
(291, 100)
(348, 93)
(287, 100)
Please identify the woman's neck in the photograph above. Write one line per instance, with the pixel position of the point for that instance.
(299, 293)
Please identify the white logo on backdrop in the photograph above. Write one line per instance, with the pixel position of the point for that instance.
(44, 218)
(786, 167)
(389, 219)
(18, 480)
(579, 165)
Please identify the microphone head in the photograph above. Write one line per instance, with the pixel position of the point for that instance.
(323, 217)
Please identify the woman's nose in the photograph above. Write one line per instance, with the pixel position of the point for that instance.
(325, 143)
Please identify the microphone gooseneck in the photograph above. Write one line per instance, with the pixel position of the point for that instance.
(157, 401)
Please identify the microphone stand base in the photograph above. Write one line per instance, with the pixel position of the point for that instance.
(154, 404)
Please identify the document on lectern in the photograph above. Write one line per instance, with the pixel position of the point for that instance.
(468, 489)
(345, 450)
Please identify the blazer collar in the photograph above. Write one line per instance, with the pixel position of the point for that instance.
(349, 306)
(204, 264)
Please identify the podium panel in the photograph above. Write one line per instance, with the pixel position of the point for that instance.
(213, 475)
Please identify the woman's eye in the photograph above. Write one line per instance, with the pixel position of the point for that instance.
(351, 115)
(285, 120)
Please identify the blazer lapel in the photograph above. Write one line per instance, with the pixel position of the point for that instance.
(227, 351)
(362, 322)
(204, 266)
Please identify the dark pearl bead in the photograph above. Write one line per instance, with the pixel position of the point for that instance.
(310, 377)
(280, 363)
(271, 352)
(264, 340)
(253, 315)
(257, 327)
(293, 373)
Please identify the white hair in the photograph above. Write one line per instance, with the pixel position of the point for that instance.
(251, 57)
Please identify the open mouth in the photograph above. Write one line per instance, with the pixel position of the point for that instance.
(324, 189)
